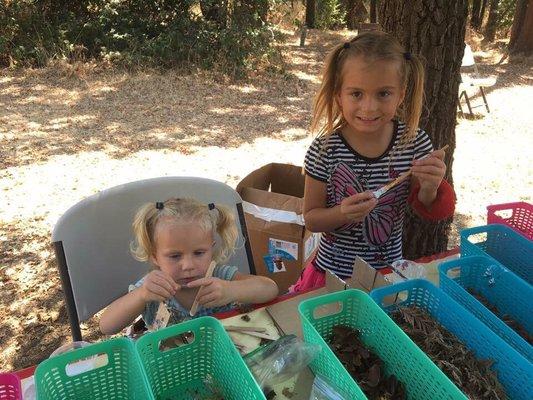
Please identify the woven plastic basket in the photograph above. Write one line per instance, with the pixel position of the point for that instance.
(109, 370)
(518, 216)
(503, 244)
(10, 387)
(209, 362)
(514, 371)
(503, 289)
(401, 357)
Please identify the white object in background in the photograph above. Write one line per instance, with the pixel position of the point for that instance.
(408, 269)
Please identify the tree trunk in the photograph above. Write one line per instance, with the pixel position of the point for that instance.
(436, 31)
(522, 31)
(490, 29)
(310, 11)
(373, 11)
(355, 13)
(475, 21)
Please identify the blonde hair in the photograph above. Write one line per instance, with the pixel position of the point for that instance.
(373, 46)
(186, 210)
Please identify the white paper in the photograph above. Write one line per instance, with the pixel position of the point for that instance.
(272, 214)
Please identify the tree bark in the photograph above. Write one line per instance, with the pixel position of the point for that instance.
(310, 11)
(522, 31)
(436, 31)
(475, 21)
(490, 29)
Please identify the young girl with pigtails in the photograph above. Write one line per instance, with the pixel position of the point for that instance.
(178, 237)
(367, 112)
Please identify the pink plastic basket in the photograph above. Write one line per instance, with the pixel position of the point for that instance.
(518, 216)
(10, 387)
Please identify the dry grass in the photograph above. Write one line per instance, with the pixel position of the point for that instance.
(67, 132)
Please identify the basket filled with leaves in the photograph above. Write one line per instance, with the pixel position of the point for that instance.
(366, 354)
(495, 296)
(476, 359)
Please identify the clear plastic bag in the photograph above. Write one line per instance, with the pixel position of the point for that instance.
(279, 360)
(323, 390)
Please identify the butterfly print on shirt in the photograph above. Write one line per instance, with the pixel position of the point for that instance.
(379, 224)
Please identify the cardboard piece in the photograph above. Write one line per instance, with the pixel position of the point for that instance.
(285, 313)
(365, 278)
(272, 202)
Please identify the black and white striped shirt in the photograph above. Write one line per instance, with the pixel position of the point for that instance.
(378, 239)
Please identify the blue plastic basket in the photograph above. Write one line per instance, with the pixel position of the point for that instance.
(503, 289)
(181, 373)
(400, 356)
(514, 371)
(503, 244)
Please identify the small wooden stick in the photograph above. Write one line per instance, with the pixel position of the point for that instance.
(244, 328)
(378, 193)
(255, 334)
(208, 274)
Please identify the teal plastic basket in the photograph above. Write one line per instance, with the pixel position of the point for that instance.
(401, 357)
(181, 372)
(117, 375)
(514, 371)
(503, 244)
(503, 289)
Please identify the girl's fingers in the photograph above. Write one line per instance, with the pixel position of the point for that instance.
(164, 277)
(428, 170)
(162, 282)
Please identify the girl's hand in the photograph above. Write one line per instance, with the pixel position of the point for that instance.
(356, 207)
(429, 171)
(214, 293)
(158, 286)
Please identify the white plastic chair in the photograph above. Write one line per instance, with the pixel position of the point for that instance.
(92, 240)
(469, 80)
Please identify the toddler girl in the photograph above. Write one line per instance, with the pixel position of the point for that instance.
(178, 237)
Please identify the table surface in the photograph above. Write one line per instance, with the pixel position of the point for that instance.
(300, 385)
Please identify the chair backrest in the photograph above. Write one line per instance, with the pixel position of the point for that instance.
(92, 240)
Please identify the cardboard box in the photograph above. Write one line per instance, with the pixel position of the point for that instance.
(272, 202)
(364, 277)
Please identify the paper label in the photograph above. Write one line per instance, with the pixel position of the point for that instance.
(311, 244)
(279, 250)
(161, 318)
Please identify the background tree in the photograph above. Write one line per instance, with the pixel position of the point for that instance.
(492, 22)
(310, 11)
(478, 14)
(436, 31)
(355, 12)
(522, 31)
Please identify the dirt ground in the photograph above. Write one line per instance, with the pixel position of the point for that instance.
(67, 132)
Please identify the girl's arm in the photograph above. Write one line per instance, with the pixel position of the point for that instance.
(319, 218)
(253, 288)
(243, 288)
(157, 286)
(122, 312)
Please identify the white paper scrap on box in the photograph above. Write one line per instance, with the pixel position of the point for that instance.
(273, 215)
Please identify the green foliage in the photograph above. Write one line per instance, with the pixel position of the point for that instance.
(329, 14)
(506, 11)
(163, 33)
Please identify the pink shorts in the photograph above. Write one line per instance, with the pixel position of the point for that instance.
(310, 278)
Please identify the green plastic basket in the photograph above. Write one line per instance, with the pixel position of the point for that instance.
(117, 375)
(401, 357)
(181, 372)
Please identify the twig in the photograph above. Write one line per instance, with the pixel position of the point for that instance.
(380, 192)
(208, 274)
